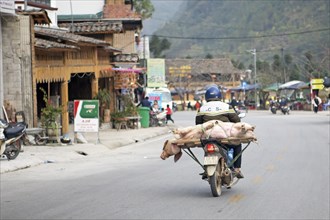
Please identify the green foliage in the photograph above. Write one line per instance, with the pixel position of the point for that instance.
(117, 115)
(144, 7)
(240, 18)
(157, 46)
(103, 96)
(50, 114)
(209, 56)
(129, 108)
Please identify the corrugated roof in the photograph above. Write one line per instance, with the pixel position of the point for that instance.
(79, 17)
(93, 27)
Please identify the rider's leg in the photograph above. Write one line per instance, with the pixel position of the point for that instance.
(238, 162)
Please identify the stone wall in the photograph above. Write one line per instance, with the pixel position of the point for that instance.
(17, 73)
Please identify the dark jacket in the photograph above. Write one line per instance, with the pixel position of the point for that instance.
(144, 103)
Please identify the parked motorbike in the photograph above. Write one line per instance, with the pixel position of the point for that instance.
(10, 138)
(157, 118)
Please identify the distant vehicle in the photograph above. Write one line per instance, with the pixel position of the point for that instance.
(162, 95)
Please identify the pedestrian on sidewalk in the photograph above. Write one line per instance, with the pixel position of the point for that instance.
(145, 102)
(169, 114)
(316, 102)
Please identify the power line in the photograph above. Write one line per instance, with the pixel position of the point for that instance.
(241, 37)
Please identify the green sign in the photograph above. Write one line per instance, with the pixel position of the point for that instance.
(86, 115)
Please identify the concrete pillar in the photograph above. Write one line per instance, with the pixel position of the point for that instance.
(1, 72)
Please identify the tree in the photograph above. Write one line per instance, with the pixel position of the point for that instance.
(157, 46)
(208, 56)
(144, 7)
(238, 64)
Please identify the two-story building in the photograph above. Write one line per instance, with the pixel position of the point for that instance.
(68, 64)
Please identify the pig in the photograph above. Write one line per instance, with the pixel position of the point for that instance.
(232, 133)
(171, 148)
(193, 132)
(215, 129)
(237, 133)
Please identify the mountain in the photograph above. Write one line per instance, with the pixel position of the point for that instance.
(164, 12)
(231, 27)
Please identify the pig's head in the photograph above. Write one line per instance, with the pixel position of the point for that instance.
(170, 149)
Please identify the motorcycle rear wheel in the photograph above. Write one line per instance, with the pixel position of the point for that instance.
(12, 151)
(215, 181)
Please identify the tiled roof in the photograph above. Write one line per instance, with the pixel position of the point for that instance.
(201, 66)
(38, 16)
(48, 45)
(119, 11)
(63, 35)
(93, 27)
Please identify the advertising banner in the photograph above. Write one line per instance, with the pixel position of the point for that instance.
(156, 72)
(7, 6)
(86, 115)
(156, 96)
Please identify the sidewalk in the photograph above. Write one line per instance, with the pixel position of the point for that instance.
(108, 139)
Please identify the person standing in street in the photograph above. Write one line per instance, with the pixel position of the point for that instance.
(316, 101)
(169, 114)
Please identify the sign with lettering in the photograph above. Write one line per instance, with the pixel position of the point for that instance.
(317, 86)
(156, 72)
(86, 115)
(7, 6)
(317, 83)
(156, 97)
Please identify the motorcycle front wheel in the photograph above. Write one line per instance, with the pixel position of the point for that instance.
(12, 150)
(215, 181)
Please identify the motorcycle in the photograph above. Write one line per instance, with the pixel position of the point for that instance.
(157, 118)
(285, 110)
(11, 135)
(217, 164)
(273, 109)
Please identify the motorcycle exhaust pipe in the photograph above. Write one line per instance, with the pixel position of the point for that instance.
(227, 176)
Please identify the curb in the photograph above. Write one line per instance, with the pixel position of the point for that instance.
(37, 155)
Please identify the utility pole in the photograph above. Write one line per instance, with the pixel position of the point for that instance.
(283, 61)
(254, 52)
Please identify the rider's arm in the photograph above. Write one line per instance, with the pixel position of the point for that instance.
(233, 117)
(199, 119)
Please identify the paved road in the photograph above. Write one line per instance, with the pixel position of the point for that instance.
(286, 177)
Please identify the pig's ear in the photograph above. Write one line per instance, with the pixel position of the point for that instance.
(177, 156)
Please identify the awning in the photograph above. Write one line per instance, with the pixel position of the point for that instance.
(272, 87)
(295, 84)
(247, 87)
(135, 70)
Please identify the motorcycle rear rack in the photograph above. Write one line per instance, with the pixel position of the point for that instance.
(188, 151)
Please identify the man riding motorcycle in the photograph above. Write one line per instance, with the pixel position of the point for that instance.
(214, 109)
